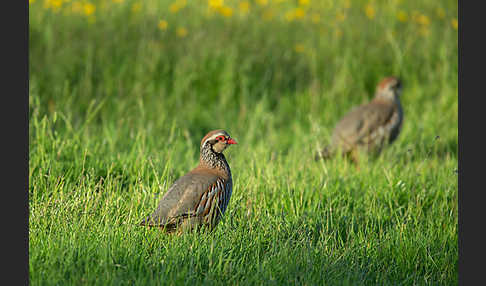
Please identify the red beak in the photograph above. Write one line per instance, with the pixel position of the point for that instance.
(231, 141)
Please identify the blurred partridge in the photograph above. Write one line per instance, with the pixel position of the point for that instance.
(370, 126)
(201, 196)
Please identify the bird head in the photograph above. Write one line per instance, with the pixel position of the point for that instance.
(217, 140)
(390, 88)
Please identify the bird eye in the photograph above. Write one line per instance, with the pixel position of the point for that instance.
(220, 138)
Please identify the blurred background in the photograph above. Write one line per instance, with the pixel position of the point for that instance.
(122, 91)
(207, 64)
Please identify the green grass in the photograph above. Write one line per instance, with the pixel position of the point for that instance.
(117, 108)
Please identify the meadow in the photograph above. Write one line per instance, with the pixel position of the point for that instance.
(122, 91)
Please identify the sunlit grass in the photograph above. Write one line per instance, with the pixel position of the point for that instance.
(122, 91)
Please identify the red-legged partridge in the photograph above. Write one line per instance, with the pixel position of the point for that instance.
(370, 126)
(201, 196)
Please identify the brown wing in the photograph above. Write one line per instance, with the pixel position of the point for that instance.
(193, 195)
(361, 126)
(180, 200)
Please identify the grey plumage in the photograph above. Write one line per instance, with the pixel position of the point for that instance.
(201, 196)
(371, 126)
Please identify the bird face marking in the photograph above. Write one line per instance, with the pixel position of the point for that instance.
(225, 139)
(218, 141)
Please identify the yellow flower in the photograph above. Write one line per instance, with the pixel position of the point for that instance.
(181, 32)
(304, 2)
(267, 15)
(299, 48)
(454, 23)
(440, 13)
(422, 20)
(136, 7)
(55, 5)
(402, 16)
(262, 2)
(216, 3)
(177, 5)
(163, 25)
(174, 7)
(244, 7)
(299, 13)
(89, 8)
(226, 11)
(315, 18)
(370, 11)
(340, 17)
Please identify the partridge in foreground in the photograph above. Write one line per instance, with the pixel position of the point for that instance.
(201, 196)
(369, 127)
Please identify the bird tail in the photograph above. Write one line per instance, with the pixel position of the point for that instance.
(325, 153)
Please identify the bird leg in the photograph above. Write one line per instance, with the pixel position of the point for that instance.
(354, 154)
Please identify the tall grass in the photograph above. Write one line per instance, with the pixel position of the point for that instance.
(118, 105)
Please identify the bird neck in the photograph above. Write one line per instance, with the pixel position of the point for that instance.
(391, 101)
(213, 160)
(386, 98)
